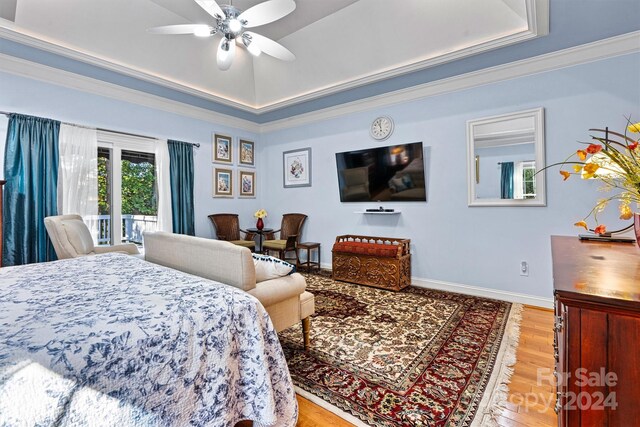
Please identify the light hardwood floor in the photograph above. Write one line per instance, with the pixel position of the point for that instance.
(535, 351)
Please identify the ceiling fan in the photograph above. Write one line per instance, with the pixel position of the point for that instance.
(232, 23)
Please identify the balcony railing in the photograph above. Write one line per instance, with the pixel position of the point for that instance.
(132, 228)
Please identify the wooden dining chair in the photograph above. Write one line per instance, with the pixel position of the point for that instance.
(290, 233)
(228, 228)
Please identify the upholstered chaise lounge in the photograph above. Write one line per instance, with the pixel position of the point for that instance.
(284, 298)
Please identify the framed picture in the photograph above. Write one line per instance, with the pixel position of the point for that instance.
(296, 166)
(246, 153)
(222, 182)
(247, 183)
(222, 149)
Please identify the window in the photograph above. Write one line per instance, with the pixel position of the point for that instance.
(529, 180)
(127, 188)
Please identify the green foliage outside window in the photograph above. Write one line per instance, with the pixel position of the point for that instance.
(528, 175)
(138, 188)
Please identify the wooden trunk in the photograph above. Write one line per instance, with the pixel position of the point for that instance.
(597, 332)
(386, 272)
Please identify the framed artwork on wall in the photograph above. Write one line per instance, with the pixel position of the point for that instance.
(222, 149)
(246, 153)
(247, 181)
(296, 166)
(222, 182)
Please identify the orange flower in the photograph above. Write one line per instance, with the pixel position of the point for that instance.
(581, 224)
(601, 229)
(589, 170)
(633, 146)
(591, 167)
(594, 148)
(565, 175)
(581, 154)
(577, 168)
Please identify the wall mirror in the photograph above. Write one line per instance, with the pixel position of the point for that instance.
(504, 153)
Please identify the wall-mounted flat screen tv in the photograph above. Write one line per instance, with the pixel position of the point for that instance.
(392, 173)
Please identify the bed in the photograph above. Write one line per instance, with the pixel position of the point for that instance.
(115, 340)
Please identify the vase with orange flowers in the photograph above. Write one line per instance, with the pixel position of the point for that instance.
(614, 159)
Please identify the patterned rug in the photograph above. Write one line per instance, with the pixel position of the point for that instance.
(418, 357)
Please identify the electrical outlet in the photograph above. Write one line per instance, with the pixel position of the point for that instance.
(524, 268)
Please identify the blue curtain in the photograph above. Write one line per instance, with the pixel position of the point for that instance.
(30, 194)
(181, 171)
(506, 180)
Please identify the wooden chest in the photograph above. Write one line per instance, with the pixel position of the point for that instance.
(383, 262)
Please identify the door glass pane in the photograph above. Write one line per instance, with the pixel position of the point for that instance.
(139, 195)
(104, 196)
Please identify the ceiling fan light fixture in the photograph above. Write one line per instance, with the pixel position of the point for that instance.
(235, 26)
(226, 52)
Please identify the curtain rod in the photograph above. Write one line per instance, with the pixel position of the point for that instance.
(196, 144)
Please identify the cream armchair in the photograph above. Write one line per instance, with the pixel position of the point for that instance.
(71, 238)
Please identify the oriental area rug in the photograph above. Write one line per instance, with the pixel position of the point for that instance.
(418, 357)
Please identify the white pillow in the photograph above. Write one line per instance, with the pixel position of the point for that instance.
(268, 267)
(78, 235)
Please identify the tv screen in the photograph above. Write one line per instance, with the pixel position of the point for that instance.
(393, 173)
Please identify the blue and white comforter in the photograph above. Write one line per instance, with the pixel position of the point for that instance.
(112, 340)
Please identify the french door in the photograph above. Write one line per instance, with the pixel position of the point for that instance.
(127, 188)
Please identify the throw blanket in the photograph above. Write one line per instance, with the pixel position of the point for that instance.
(114, 340)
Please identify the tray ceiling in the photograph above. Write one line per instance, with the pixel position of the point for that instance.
(339, 44)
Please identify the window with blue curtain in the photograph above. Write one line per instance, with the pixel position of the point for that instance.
(30, 194)
(181, 173)
(506, 180)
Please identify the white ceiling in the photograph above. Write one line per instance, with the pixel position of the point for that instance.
(338, 44)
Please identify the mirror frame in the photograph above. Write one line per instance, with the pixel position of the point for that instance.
(541, 195)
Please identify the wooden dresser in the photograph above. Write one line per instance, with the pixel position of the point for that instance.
(597, 332)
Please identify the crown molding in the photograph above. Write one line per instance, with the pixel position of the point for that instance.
(537, 23)
(399, 71)
(590, 52)
(24, 68)
(602, 49)
(12, 33)
(538, 26)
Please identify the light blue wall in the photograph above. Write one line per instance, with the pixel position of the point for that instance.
(26, 96)
(451, 242)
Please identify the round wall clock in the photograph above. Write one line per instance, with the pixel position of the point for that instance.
(381, 128)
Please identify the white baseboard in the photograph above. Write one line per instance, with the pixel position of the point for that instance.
(483, 292)
(477, 291)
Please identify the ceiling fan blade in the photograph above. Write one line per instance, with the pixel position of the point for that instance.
(225, 57)
(188, 10)
(270, 47)
(266, 12)
(179, 29)
(211, 7)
